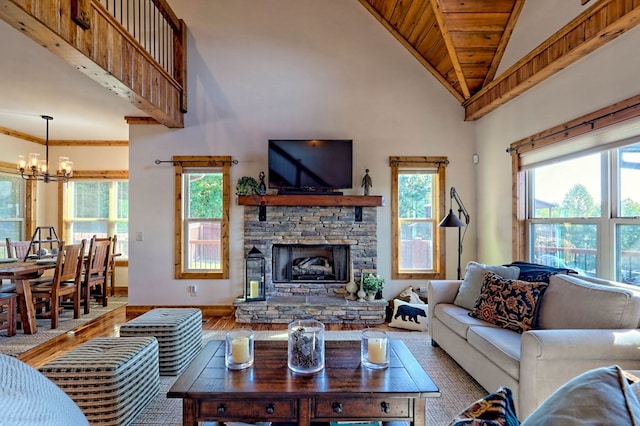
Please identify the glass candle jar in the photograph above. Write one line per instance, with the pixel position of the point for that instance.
(239, 349)
(306, 346)
(374, 348)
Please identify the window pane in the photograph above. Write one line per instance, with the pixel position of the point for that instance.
(416, 194)
(91, 200)
(566, 245)
(203, 246)
(629, 160)
(628, 254)
(569, 188)
(416, 245)
(122, 189)
(205, 195)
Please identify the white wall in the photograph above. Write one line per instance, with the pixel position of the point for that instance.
(288, 69)
(608, 75)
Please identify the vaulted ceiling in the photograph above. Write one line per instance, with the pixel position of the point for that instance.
(460, 42)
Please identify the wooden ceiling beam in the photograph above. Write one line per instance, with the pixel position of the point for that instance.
(412, 50)
(448, 41)
(590, 30)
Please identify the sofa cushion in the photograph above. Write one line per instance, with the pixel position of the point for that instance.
(598, 397)
(410, 316)
(499, 345)
(472, 284)
(495, 409)
(572, 303)
(457, 319)
(508, 303)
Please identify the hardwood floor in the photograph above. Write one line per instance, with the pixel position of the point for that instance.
(109, 325)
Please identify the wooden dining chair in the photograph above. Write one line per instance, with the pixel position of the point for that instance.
(95, 273)
(17, 249)
(65, 282)
(111, 270)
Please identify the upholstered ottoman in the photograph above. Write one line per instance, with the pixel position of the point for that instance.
(179, 334)
(111, 379)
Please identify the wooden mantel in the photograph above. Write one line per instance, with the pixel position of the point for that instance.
(323, 200)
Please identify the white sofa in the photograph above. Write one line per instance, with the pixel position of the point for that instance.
(584, 323)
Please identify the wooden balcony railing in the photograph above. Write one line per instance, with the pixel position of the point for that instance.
(134, 48)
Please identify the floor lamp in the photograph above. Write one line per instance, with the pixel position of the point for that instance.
(453, 221)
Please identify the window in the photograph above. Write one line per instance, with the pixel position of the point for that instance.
(96, 207)
(584, 213)
(417, 196)
(12, 212)
(202, 216)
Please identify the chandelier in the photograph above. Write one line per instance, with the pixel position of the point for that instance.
(36, 169)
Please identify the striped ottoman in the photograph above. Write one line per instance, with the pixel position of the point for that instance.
(111, 379)
(179, 334)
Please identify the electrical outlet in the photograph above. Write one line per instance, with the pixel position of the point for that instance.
(138, 236)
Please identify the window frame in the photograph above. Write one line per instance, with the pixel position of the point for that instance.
(79, 175)
(219, 163)
(438, 165)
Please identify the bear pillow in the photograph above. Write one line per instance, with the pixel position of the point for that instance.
(410, 316)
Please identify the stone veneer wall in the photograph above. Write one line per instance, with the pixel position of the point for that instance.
(325, 302)
(312, 225)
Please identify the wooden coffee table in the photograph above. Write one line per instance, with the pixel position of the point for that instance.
(269, 391)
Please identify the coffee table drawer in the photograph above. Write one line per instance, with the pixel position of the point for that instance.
(362, 407)
(249, 409)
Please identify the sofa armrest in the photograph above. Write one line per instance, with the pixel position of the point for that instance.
(550, 358)
(440, 291)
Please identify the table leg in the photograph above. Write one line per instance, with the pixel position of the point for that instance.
(27, 310)
(419, 412)
(304, 412)
(188, 413)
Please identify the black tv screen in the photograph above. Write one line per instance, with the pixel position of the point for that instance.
(312, 165)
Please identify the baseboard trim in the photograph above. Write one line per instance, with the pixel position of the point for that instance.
(207, 311)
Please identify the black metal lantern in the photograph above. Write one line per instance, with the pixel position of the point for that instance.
(254, 271)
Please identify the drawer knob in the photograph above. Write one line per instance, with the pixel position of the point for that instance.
(270, 409)
(222, 408)
(337, 407)
(385, 407)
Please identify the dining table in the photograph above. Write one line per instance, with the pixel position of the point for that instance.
(20, 272)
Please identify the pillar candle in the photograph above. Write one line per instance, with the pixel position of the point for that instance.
(377, 350)
(254, 288)
(240, 350)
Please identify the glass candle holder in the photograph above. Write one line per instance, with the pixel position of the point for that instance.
(374, 348)
(306, 346)
(239, 349)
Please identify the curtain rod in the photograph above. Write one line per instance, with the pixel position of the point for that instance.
(590, 122)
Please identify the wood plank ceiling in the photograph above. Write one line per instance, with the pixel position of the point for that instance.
(460, 42)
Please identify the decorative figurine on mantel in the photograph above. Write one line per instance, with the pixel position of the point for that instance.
(262, 188)
(366, 182)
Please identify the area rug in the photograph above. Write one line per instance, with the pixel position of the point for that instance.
(20, 343)
(458, 389)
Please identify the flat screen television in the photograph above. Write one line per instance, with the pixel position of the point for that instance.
(310, 165)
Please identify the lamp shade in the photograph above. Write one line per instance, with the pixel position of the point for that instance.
(451, 221)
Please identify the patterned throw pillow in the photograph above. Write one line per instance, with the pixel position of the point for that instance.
(510, 304)
(495, 409)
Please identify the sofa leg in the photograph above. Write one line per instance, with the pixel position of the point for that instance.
(434, 344)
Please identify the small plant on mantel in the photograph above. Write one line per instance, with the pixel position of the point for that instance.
(372, 284)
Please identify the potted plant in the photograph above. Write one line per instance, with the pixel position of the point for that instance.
(372, 284)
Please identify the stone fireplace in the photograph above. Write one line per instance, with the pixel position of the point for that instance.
(309, 252)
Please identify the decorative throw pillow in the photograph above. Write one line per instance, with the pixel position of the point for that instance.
(597, 397)
(407, 295)
(510, 304)
(410, 316)
(495, 409)
(472, 283)
(534, 272)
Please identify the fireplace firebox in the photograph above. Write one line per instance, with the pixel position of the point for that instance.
(325, 263)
